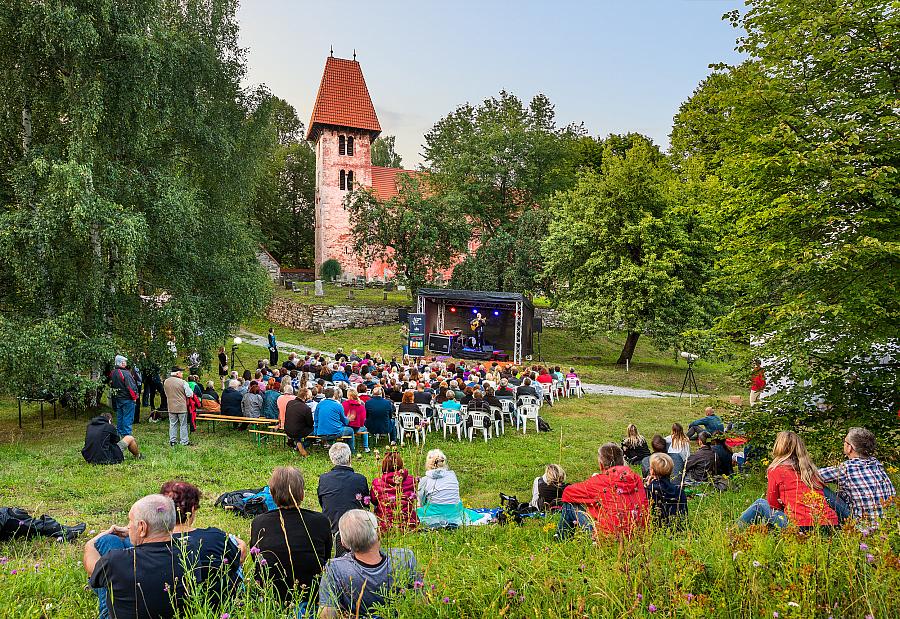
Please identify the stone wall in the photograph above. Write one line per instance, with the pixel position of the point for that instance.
(328, 317)
(269, 264)
(552, 318)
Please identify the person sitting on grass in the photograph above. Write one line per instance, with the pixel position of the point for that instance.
(341, 489)
(440, 505)
(678, 443)
(634, 446)
(291, 543)
(331, 422)
(611, 502)
(863, 484)
(355, 411)
(668, 503)
(703, 464)
(724, 455)
(102, 444)
(394, 495)
(361, 579)
(299, 422)
(137, 571)
(794, 490)
(546, 490)
(711, 424)
(659, 446)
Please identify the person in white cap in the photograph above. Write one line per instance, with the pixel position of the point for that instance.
(124, 393)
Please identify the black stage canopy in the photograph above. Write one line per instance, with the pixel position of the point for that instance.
(509, 315)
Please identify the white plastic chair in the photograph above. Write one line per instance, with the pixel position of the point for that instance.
(429, 419)
(526, 412)
(411, 423)
(497, 417)
(527, 400)
(508, 409)
(573, 387)
(453, 419)
(478, 418)
(557, 387)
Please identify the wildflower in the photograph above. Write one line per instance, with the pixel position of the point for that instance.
(521, 598)
(366, 500)
(166, 587)
(757, 564)
(690, 597)
(358, 496)
(263, 562)
(4, 560)
(92, 531)
(795, 604)
(255, 550)
(225, 616)
(775, 614)
(511, 593)
(870, 558)
(418, 584)
(870, 616)
(446, 600)
(640, 597)
(652, 608)
(433, 587)
(864, 532)
(863, 546)
(14, 572)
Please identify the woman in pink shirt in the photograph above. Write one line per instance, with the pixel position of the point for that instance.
(356, 413)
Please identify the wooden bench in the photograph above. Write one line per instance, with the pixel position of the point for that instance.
(253, 421)
(265, 434)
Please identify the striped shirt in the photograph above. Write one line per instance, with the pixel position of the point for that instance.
(863, 484)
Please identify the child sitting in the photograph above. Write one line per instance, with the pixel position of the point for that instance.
(668, 504)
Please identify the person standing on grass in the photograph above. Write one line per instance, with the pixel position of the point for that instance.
(611, 502)
(863, 484)
(124, 391)
(757, 383)
(356, 582)
(177, 394)
(794, 489)
(340, 490)
(102, 444)
(273, 348)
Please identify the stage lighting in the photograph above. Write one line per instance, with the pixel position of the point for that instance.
(474, 310)
(496, 312)
(453, 309)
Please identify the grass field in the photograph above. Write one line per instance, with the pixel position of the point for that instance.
(594, 358)
(709, 569)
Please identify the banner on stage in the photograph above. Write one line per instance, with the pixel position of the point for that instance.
(416, 335)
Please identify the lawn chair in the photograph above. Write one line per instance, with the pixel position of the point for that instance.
(411, 423)
(478, 420)
(526, 412)
(453, 419)
(431, 420)
(508, 409)
(573, 387)
(497, 417)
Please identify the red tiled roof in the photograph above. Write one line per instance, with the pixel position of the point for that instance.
(343, 99)
(384, 181)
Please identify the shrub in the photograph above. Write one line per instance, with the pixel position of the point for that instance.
(330, 270)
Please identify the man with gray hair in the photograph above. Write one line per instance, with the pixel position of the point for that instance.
(123, 394)
(355, 582)
(138, 571)
(340, 490)
(178, 392)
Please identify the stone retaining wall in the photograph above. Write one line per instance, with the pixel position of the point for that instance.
(552, 318)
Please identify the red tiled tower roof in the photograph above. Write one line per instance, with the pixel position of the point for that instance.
(384, 181)
(343, 99)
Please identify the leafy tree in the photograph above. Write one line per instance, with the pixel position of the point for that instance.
(497, 161)
(627, 256)
(416, 233)
(285, 201)
(330, 270)
(129, 154)
(383, 153)
(805, 139)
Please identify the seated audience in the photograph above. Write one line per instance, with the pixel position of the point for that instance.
(794, 493)
(379, 415)
(611, 502)
(341, 489)
(440, 505)
(659, 446)
(394, 495)
(450, 403)
(292, 543)
(210, 392)
(668, 503)
(354, 583)
(503, 391)
(703, 463)
(252, 402)
(287, 394)
(299, 421)
(526, 388)
(711, 423)
(678, 443)
(546, 491)
(863, 484)
(139, 568)
(331, 422)
(355, 411)
(634, 446)
(231, 399)
(270, 400)
(724, 456)
(102, 444)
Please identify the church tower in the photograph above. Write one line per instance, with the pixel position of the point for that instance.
(342, 127)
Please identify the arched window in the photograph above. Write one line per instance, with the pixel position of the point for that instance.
(343, 180)
(350, 180)
(341, 145)
(350, 145)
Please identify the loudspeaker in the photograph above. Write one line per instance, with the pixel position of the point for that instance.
(537, 324)
(403, 315)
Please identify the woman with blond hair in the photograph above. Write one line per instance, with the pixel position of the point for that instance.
(634, 446)
(678, 443)
(440, 505)
(794, 492)
(546, 490)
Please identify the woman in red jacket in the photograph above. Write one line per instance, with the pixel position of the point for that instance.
(356, 413)
(394, 495)
(611, 502)
(794, 492)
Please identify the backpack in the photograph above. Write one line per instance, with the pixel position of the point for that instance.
(247, 503)
(543, 426)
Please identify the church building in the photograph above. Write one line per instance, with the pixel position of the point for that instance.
(342, 128)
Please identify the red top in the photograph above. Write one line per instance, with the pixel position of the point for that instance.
(614, 498)
(545, 379)
(356, 413)
(757, 381)
(804, 507)
(394, 498)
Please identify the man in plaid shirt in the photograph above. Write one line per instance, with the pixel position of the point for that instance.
(863, 484)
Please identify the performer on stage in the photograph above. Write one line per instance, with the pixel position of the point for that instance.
(478, 328)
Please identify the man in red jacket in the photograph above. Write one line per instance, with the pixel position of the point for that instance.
(611, 502)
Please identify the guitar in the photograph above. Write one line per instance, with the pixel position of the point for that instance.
(477, 322)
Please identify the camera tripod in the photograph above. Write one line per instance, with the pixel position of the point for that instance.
(689, 383)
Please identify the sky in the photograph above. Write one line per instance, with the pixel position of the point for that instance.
(615, 66)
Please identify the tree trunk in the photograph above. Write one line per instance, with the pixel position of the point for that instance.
(628, 350)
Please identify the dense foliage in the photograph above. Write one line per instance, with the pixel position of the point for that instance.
(129, 154)
(383, 153)
(805, 140)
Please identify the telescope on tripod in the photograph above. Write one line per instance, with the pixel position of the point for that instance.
(690, 382)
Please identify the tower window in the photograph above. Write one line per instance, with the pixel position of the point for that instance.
(350, 180)
(342, 149)
(343, 180)
(350, 145)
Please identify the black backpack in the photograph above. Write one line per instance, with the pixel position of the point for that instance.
(243, 502)
(543, 426)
